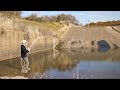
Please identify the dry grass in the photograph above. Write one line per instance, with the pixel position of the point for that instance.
(43, 25)
(25, 25)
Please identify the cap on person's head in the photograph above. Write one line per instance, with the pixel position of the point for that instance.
(24, 41)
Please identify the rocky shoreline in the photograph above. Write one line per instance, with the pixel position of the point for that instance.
(16, 77)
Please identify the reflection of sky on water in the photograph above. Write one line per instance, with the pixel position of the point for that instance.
(103, 66)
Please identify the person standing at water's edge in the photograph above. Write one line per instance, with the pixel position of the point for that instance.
(24, 55)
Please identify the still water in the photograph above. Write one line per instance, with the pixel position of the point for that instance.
(67, 64)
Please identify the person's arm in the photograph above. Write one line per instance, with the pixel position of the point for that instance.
(28, 49)
(25, 51)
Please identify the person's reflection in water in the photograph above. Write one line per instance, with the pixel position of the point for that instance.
(24, 57)
(54, 53)
(92, 50)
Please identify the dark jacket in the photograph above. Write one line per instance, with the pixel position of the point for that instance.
(24, 51)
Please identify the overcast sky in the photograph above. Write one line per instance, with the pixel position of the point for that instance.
(82, 16)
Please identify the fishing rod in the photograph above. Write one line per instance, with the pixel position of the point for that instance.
(35, 41)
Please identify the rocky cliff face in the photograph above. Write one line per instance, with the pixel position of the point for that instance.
(12, 32)
(88, 36)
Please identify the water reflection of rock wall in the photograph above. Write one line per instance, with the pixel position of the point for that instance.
(93, 54)
(10, 67)
(45, 61)
(66, 59)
